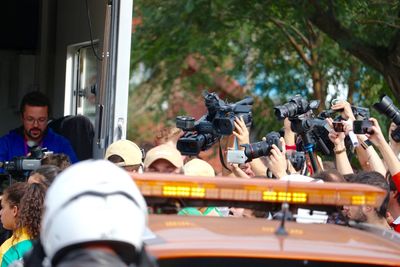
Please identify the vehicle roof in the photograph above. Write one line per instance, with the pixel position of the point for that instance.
(176, 236)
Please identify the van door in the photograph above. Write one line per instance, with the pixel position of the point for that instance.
(98, 77)
(112, 108)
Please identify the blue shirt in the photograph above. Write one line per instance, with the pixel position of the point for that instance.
(13, 145)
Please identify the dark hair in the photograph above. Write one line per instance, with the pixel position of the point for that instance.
(60, 160)
(329, 175)
(48, 172)
(35, 99)
(30, 214)
(116, 159)
(376, 179)
(15, 192)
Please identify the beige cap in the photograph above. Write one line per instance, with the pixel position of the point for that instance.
(165, 151)
(127, 150)
(198, 167)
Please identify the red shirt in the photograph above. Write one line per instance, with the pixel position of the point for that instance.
(396, 224)
(396, 180)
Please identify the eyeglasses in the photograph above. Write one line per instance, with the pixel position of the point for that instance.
(40, 121)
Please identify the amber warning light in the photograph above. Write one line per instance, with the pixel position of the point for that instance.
(257, 190)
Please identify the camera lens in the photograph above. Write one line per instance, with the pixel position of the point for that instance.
(224, 126)
(281, 112)
(262, 148)
(386, 106)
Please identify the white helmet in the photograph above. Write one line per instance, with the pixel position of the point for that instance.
(93, 201)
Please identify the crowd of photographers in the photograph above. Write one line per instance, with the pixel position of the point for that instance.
(340, 135)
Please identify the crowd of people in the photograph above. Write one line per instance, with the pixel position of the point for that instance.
(68, 212)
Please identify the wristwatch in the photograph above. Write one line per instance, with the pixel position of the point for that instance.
(339, 151)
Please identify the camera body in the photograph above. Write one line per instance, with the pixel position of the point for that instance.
(26, 163)
(338, 126)
(297, 159)
(200, 135)
(313, 130)
(362, 127)
(296, 106)
(386, 107)
(262, 148)
(225, 116)
(360, 113)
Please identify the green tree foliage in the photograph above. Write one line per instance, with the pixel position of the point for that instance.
(276, 48)
(369, 30)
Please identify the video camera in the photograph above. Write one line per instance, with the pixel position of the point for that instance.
(200, 135)
(18, 165)
(386, 107)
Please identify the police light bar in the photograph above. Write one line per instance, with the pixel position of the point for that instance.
(227, 189)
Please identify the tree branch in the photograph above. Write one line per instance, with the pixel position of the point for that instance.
(326, 21)
(377, 21)
(296, 46)
(300, 34)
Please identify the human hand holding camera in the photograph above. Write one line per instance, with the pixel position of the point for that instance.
(241, 132)
(344, 108)
(276, 161)
(336, 135)
(393, 143)
(376, 136)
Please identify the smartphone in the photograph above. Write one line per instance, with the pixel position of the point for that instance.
(338, 126)
(362, 127)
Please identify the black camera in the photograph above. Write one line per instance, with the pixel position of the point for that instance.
(362, 127)
(26, 163)
(297, 159)
(262, 148)
(386, 106)
(225, 117)
(200, 135)
(360, 113)
(296, 106)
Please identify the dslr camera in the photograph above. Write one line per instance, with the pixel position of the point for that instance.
(313, 130)
(255, 150)
(386, 107)
(296, 106)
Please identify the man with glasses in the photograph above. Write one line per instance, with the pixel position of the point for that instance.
(34, 109)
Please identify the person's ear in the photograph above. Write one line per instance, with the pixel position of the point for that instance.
(367, 209)
(15, 211)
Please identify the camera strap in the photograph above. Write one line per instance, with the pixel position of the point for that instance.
(221, 156)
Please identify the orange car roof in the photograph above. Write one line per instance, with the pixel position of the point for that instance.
(176, 236)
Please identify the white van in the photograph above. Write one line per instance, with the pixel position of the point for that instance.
(75, 51)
